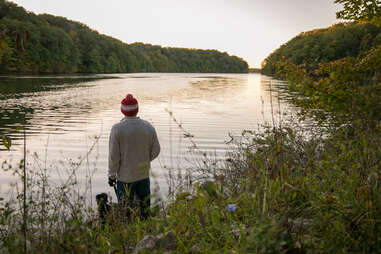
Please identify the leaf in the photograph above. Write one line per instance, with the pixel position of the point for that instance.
(210, 188)
(2, 44)
(369, 204)
(7, 142)
(183, 195)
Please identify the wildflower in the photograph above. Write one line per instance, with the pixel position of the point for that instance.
(231, 207)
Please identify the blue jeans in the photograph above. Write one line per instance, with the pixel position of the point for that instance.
(135, 195)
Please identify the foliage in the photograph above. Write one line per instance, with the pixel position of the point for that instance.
(44, 43)
(364, 10)
(350, 87)
(6, 142)
(335, 74)
(325, 45)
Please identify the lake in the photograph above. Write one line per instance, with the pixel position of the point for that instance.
(68, 119)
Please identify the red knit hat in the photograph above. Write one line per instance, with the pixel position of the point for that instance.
(130, 106)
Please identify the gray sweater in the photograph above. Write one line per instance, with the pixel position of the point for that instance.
(133, 145)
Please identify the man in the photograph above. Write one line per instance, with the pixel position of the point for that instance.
(133, 145)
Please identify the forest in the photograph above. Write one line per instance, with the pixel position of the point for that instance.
(326, 45)
(43, 44)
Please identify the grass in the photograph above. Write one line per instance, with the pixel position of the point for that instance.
(296, 190)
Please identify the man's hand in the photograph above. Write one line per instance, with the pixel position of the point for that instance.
(111, 182)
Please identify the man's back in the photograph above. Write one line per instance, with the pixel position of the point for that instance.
(133, 145)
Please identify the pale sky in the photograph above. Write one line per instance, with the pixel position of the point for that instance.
(250, 29)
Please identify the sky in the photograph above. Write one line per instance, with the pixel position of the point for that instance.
(250, 29)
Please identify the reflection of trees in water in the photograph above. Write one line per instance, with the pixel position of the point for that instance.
(20, 100)
(11, 118)
(16, 87)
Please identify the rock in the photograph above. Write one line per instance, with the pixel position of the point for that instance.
(167, 241)
(147, 243)
(196, 248)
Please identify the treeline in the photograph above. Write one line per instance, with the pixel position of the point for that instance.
(309, 49)
(31, 43)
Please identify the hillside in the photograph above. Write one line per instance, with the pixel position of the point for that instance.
(325, 45)
(31, 43)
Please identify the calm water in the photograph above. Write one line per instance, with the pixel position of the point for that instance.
(66, 117)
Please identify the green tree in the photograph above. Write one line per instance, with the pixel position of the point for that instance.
(325, 45)
(360, 10)
(50, 44)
